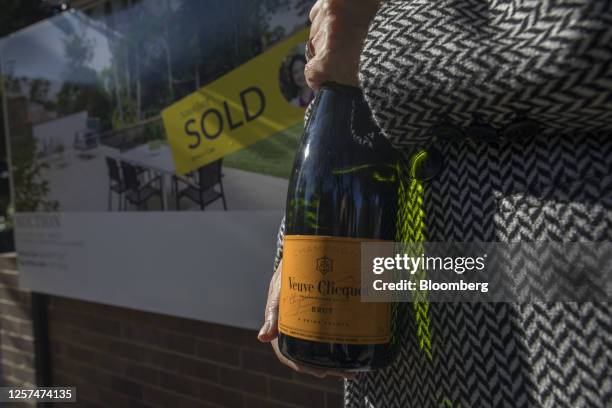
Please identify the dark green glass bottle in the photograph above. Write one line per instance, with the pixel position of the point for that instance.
(343, 191)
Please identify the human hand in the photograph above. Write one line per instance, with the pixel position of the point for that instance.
(269, 331)
(336, 39)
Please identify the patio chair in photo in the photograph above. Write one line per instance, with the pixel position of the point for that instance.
(192, 177)
(202, 191)
(143, 173)
(115, 183)
(139, 193)
(84, 140)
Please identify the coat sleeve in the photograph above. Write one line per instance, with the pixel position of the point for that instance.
(499, 62)
(279, 244)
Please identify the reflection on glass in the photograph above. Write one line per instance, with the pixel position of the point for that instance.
(89, 84)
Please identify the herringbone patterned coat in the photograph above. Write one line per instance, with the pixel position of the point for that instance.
(517, 96)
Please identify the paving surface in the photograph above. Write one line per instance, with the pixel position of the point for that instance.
(79, 182)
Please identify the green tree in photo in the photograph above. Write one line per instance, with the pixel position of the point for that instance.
(83, 88)
(31, 188)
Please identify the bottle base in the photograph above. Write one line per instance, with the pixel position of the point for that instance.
(347, 358)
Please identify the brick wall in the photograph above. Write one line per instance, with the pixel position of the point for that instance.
(124, 358)
(16, 338)
(119, 357)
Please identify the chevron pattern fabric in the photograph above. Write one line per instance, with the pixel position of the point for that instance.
(503, 354)
(492, 63)
(428, 61)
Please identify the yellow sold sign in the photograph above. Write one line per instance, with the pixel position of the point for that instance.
(235, 111)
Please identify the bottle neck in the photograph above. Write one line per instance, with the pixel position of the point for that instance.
(353, 90)
(336, 112)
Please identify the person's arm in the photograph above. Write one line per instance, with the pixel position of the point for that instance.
(278, 256)
(425, 64)
(430, 63)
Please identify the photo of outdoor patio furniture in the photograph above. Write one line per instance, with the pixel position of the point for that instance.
(85, 139)
(138, 193)
(202, 191)
(115, 183)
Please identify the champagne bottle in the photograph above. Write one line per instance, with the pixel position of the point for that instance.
(342, 192)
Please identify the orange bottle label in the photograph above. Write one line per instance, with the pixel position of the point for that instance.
(320, 297)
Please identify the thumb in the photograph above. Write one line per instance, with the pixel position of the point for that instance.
(269, 330)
